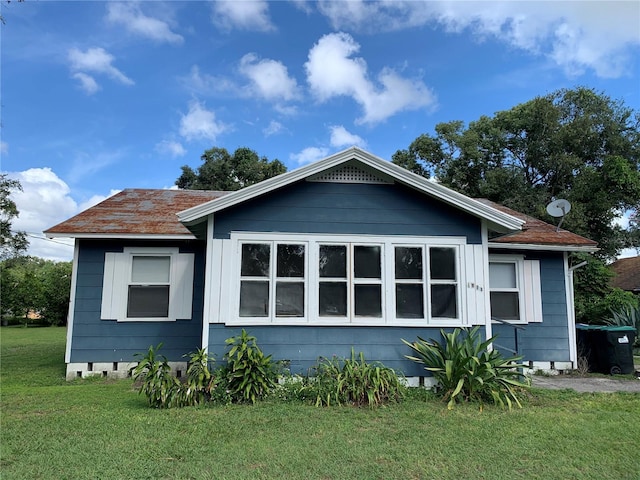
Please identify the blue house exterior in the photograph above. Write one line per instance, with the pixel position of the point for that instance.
(351, 252)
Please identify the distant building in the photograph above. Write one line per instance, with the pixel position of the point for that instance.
(627, 274)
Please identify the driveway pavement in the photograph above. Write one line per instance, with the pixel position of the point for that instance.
(585, 384)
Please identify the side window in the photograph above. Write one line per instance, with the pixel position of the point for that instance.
(504, 290)
(255, 269)
(409, 278)
(147, 284)
(148, 292)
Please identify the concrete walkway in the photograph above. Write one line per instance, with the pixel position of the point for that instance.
(585, 384)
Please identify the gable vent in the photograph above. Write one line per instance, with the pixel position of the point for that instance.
(348, 174)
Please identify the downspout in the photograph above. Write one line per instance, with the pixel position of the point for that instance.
(571, 308)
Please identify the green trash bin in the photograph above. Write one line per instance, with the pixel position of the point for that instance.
(608, 349)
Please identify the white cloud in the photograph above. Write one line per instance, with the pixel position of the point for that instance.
(131, 17)
(596, 35)
(340, 137)
(200, 123)
(269, 78)
(96, 60)
(242, 15)
(273, 128)
(87, 83)
(309, 154)
(170, 147)
(4, 148)
(43, 202)
(331, 72)
(85, 164)
(205, 84)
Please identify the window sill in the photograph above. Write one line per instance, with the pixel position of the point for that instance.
(342, 323)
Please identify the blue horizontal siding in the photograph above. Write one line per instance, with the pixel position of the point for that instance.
(341, 208)
(548, 340)
(301, 346)
(96, 340)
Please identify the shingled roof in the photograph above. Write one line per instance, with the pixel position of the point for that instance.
(135, 212)
(627, 274)
(537, 232)
(140, 212)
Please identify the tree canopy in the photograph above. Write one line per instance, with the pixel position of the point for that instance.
(227, 172)
(11, 243)
(574, 144)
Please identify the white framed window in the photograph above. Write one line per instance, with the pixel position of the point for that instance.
(147, 284)
(515, 289)
(346, 280)
(272, 280)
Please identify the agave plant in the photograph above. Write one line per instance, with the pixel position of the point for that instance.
(466, 370)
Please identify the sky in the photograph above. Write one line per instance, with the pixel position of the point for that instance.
(99, 96)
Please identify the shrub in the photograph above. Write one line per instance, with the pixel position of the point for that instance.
(199, 382)
(467, 371)
(352, 381)
(160, 387)
(250, 374)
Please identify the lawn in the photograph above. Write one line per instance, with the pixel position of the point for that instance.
(103, 429)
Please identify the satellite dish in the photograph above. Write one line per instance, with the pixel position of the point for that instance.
(559, 208)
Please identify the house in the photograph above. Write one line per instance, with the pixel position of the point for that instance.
(350, 251)
(627, 274)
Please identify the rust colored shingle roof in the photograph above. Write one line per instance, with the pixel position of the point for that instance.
(537, 232)
(135, 212)
(627, 274)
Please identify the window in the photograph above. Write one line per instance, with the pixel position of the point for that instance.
(149, 287)
(147, 284)
(515, 289)
(328, 281)
(263, 278)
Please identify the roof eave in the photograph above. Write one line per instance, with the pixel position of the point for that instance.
(124, 236)
(410, 179)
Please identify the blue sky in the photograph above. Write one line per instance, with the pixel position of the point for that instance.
(102, 96)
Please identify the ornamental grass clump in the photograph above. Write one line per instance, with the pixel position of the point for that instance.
(352, 381)
(467, 371)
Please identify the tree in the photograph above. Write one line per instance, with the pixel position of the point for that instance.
(226, 172)
(11, 243)
(31, 284)
(574, 144)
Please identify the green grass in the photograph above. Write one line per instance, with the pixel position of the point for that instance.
(103, 429)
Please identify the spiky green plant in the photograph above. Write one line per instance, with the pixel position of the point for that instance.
(160, 387)
(628, 316)
(250, 373)
(466, 370)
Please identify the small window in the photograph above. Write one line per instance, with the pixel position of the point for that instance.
(254, 285)
(332, 288)
(290, 276)
(367, 279)
(409, 276)
(505, 292)
(148, 292)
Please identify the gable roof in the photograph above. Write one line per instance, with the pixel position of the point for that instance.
(383, 168)
(135, 212)
(537, 232)
(627, 274)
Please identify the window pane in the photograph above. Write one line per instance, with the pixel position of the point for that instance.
(290, 261)
(368, 300)
(150, 269)
(255, 260)
(333, 261)
(408, 263)
(148, 301)
(505, 305)
(366, 261)
(254, 299)
(333, 299)
(289, 299)
(502, 275)
(443, 263)
(409, 301)
(443, 301)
